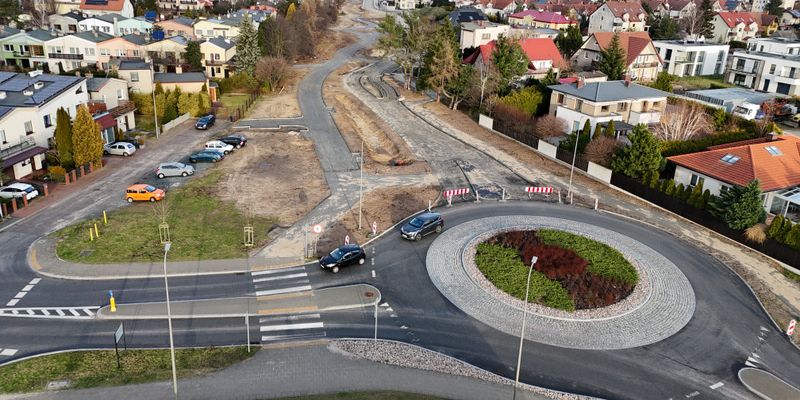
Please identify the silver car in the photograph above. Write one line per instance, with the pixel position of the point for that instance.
(119, 149)
(174, 169)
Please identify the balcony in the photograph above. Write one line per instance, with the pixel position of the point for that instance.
(26, 144)
(124, 107)
(215, 62)
(646, 64)
(647, 117)
(65, 56)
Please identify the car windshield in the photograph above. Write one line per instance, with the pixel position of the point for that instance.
(150, 188)
(416, 223)
(337, 254)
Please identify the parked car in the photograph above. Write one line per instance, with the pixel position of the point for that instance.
(205, 122)
(174, 169)
(142, 192)
(422, 225)
(218, 145)
(218, 152)
(119, 149)
(205, 156)
(342, 256)
(237, 141)
(18, 190)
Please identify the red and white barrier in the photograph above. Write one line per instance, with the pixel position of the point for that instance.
(538, 189)
(455, 192)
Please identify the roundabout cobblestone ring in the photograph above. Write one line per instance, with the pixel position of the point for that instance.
(661, 305)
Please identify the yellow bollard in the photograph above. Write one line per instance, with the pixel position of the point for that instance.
(96, 232)
(91, 234)
(105, 219)
(113, 304)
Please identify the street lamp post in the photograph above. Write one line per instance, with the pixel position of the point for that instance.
(572, 168)
(169, 322)
(360, 183)
(524, 318)
(155, 111)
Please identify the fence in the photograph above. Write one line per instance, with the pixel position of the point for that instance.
(770, 247)
(175, 122)
(235, 114)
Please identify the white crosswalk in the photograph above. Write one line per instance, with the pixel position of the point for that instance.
(281, 281)
(277, 329)
(23, 292)
(50, 312)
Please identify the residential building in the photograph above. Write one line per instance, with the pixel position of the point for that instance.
(642, 60)
(729, 98)
(106, 23)
(767, 25)
(599, 102)
(218, 56)
(167, 53)
(790, 18)
(686, 58)
(774, 161)
(618, 16)
(778, 46)
(134, 25)
(188, 82)
(575, 10)
(227, 26)
(541, 19)
(474, 34)
(178, 26)
(25, 49)
(542, 54)
(65, 6)
(184, 5)
(496, 7)
(138, 74)
(675, 9)
(100, 7)
(66, 53)
(466, 14)
(28, 106)
(764, 71)
(532, 33)
(109, 96)
(734, 26)
(124, 47)
(405, 4)
(66, 23)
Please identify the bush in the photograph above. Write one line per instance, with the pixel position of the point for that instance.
(793, 237)
(775, 227)
(669, 188)
(678, 192)
(238, 82)
(509, 119)
(674, 148)
(550, 126)
(603, 259)
(756, 233)
(600, 149)
(526, 100)
(786, 227)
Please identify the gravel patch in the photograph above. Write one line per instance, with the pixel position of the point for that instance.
(411, 356)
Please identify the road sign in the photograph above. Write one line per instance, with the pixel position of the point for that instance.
(538, 189)
(374, 227)
(119, 335)
(346, 239)
(455, 192)
(790, 330)
(317, 229)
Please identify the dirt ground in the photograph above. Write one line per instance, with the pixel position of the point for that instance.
(386, 206)
(333, 40)
(386, 152)
(282, 103)
(276, 174)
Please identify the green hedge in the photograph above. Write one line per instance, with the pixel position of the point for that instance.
(503, 267)
(674, 148)
(603, 259)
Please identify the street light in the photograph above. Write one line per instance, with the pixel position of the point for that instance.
(169, 321)
(572, 168)
(524, 317)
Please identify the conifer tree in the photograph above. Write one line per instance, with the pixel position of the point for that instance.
(87, 144)
(63, 139)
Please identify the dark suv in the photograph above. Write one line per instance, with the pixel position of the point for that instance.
(343, 256)
(422, 225)
(205, 122)
(237, 141)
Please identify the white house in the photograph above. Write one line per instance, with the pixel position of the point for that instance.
(74, 51)
(106, 23)
(777, 46)
(618, 16)
(217, 55)
(138, 74)
(110, 95)
(65, 23)
(496, 7)
(767, 72)
(130, 26)
(28, 106)
(734, 26)
(474, 34)
(686, 58)
(790, 18)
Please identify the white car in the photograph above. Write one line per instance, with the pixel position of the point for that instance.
(119, 149)
(18, 190)
(220, 146)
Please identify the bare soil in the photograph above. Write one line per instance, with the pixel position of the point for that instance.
(276, 174)
(332, 41)
(386, 152)
(385, 206)
(282, 103)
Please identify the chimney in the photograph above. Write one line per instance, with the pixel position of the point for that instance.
(94, 32)
(627, 79)
(89, 75)
(580, 82)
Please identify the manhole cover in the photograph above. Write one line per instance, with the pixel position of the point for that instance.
(86, 253)
(369, 294)
(58, 385)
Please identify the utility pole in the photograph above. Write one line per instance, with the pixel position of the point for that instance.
(572, 168)
(155, 112)
(524, 317)
(169, 321)
(361, 183)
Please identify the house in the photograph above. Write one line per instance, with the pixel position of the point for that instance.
(474, 34)
(167, 53)
(189, 82)
(543, 55)
(178, 26)
(790, 18)
(761, 5)
(767, 25)
(465, 14)
(728, 98)
(575, 10)
(687, 58)
(496, 7)
(106, 23)
(776, 46)
(642, 60)
(123, 47)
(134, 25)
(25, 49)
(138, 74)
(599, 102)
(618, 16)
(65, 23)
(768, 72)
(66, 53)
(109, 96)
(28, 105)
(100, 7)
(774, 161)
(406, 4)
(541, 19)
(218, 56)
(533, 33)
(66, 6)
(734, 26)
(175, 6)
(227, 26)
(675, 9)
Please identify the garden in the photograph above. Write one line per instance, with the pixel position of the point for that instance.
(572, 272)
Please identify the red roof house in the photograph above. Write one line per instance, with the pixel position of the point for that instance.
(542, 53)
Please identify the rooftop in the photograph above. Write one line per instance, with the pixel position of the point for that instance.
(610, 91)
(93, 36)
(222, 42)
(110, 17)
(130, 65)
(690, 43)
(170, 77)
(103, 5)
(15, 86)
(543, 16)
(731, 94)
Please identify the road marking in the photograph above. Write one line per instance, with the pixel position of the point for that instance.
(75, 313)
(293, 337)
(373, 273)
(277, 271)
(45, 312)
(31, 312)
(50, 312)
(285, 296)
(284, 290)
(61, 313)
(20, 295)
(717, 385)
(88, 312)
(307, 325)
(276, 278)
(287, 310)
(8, 352)
(752, 360)
(289, 318)
(12, 303)
(35, 281)
(27, 288)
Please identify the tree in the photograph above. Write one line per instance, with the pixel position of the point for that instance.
(247, 51)
(459, 86)
(63, 139)
(612, 60)
(683, 121)
(740, 207)
(568, 144)
(784, 230)
(793, 237)
(39, 10)
(87, 144)
(441, 61)
(159, 89)
(775, 227)
(694, 23)
(569, 41)
(193, 56)
(487, 79)
(271, 38)
(643, 154)
(273, 72)
(600, 149)
(186, 101)
(664, 81)
(550, 126)
(663, 28)
(291, 10)
(774, 7)
(510, 60)
(526, 99)
(611, 130)
(707, 27)
(404, 43)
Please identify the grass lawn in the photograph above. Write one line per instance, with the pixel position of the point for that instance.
(366, 396)
(145, 123)
(603, 259)
(201, 227)
(700, 82)
(233, 101)
(99, 368)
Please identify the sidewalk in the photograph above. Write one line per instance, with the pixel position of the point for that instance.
(43, 259)
(766, 385)
(329, 299)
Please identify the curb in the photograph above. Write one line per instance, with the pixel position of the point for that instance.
(756, 391)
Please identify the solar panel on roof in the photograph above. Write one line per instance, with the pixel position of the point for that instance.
(97, 2)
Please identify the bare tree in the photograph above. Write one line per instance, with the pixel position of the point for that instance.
(487, 78)
(550, 126)
(693, 23)
(274, 71)
(39, 10)
(683, 121)
(600, 150)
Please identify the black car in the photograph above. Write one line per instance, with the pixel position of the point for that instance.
(205, 156)
(205, 122)
(237, 141)
(343, 256)
(421, 225)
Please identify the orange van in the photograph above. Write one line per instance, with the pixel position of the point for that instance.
(142, 192)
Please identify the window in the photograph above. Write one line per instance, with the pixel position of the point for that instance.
(8, 47)
(83, 27)
(89, 51)
(134, 77)
(773, 150)
(730, 159)
(28, 128)
(604, 108)
(103, 52)
(136, 53)
(696, 180)
(211, 32)
(739, 63)
(47, 122)
(74, 50)
(622, 106)
(54, 49)
(106, 29)
(120, 94)
(486, 36)
(121, 52)
(578, 105)
(3, 136)
(216, 56)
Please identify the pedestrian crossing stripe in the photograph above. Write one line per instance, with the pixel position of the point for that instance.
(50, 312)
(8, 352)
